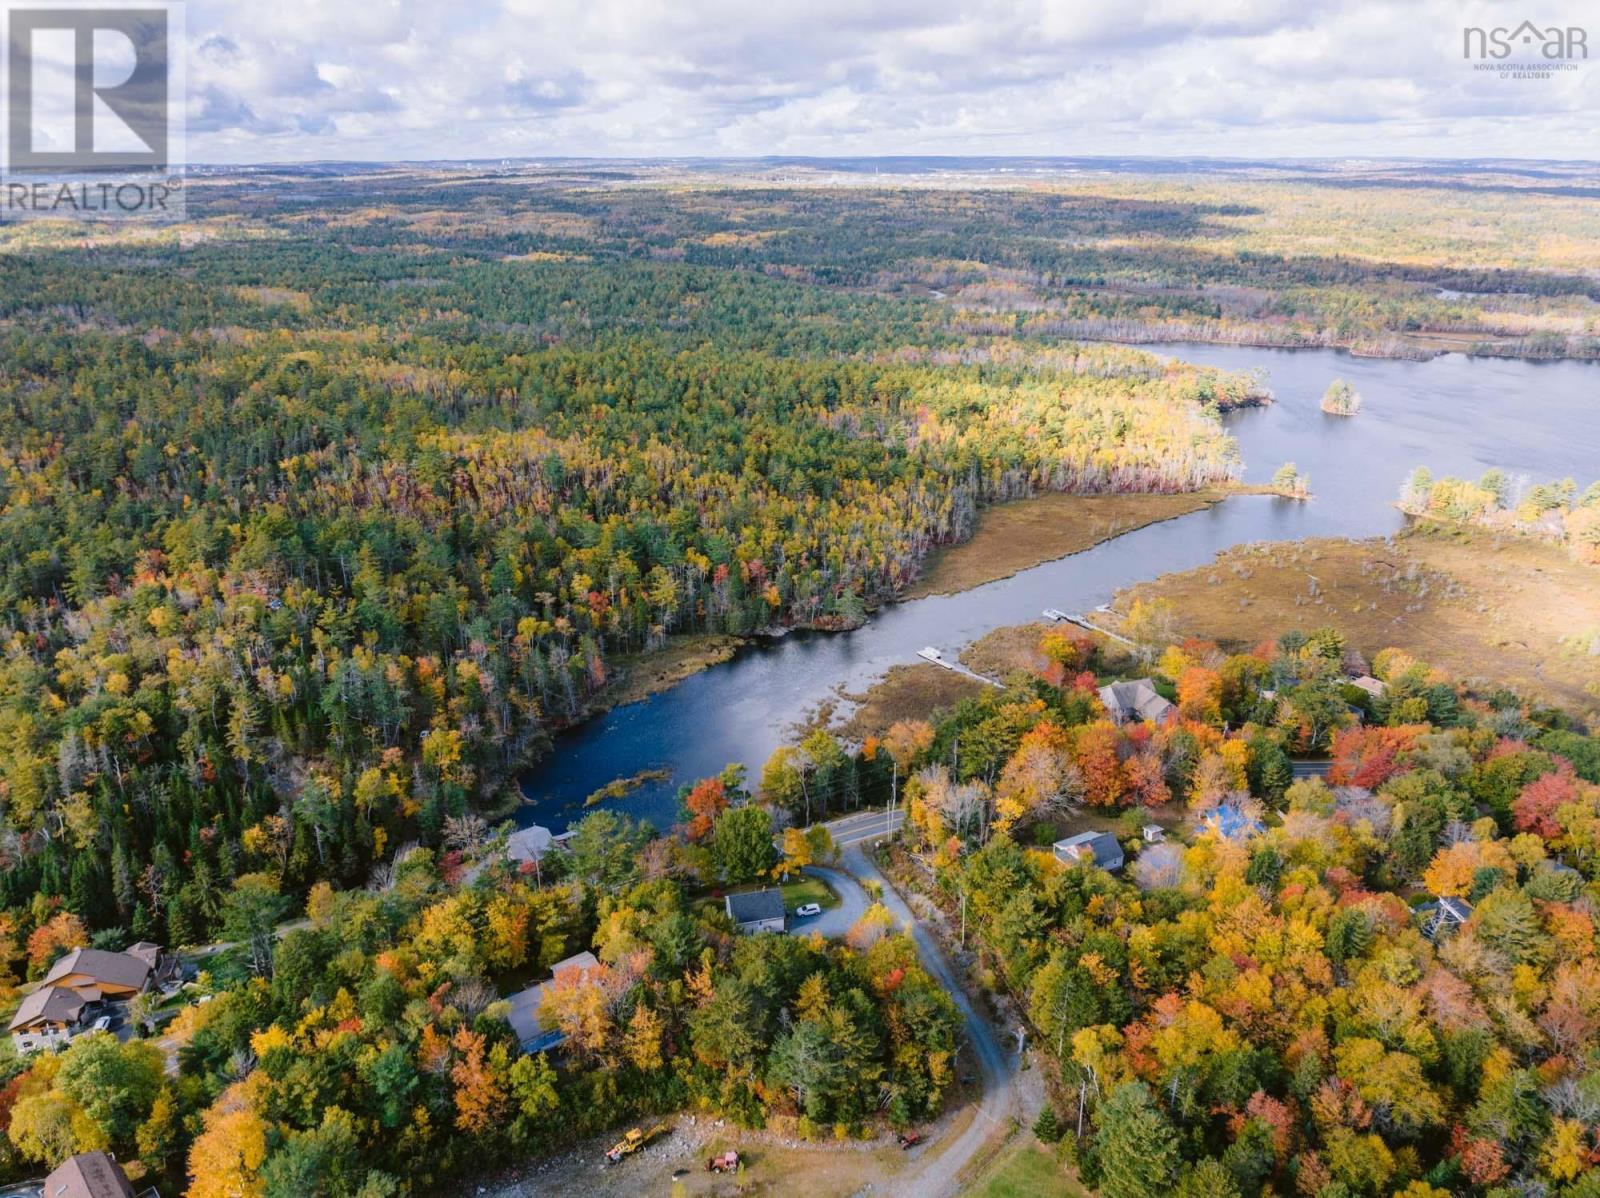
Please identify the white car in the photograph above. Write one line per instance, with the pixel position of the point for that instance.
(807, 910)
(103, 1024)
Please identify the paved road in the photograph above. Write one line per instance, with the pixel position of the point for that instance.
(935, 1175)
(200, 952)
(869, 825)
(835, 921)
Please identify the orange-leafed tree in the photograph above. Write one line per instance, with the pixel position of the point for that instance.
(56, 935)
(480, 1091)
(1449, 874)
(706, 800)
(1534, 809)
(1200, 695)
(1097, 754)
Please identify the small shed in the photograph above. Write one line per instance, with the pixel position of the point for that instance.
(757, 910)
(1090, 848)
(1153, 833)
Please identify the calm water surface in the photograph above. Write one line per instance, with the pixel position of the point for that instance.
(1455, 414)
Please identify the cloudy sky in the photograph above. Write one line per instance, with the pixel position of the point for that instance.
(296, 80)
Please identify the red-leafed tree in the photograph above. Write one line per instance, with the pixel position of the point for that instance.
(1534, 810)
(704, 802)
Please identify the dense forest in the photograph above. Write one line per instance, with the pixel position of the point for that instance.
(1267, 1000)
(287, 585)
(367, 1054)
(317, 519)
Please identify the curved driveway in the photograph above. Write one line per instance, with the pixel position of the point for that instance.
(933, 1174)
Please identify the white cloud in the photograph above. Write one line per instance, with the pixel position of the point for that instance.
(303, 79)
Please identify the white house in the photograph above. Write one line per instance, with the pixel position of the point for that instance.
(527, 846)
(1369, 684)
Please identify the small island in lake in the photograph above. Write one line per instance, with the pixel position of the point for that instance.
(1341, 399)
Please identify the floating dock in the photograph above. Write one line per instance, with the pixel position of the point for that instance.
(1051, 613)
(930, 654)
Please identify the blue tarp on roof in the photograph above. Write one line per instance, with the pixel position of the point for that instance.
(1228, 822)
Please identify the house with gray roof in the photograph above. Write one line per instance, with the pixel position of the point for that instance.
(1135, 701)
(527, 846)
(757, 910)
(1372, 686)
(1443, 915)
(1090, 848)
(523, 1017)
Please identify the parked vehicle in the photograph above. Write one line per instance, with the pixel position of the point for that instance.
(807, 910)
(910, 1139)
(103, 1024)
(636, 1139)
(728, 1162)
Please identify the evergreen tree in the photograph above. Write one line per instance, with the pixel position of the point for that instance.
(1137, 1146)
(1047, 1127)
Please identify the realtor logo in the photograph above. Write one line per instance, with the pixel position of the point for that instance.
(93, 109)
(1554, 42)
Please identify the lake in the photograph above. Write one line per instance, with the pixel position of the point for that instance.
(1454, 414)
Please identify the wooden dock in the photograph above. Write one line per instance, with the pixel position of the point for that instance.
(933, 656)
(1051, 613)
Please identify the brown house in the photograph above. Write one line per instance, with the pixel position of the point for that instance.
(78, 984)
(97, 974)
(88, 1175)
(47, 1019)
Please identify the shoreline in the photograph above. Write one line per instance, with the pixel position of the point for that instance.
(1414, 347)
(992, 552)
(691, 653)
(1456, 597)
(644, 675)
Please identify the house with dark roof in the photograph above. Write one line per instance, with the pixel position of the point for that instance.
(524, 1018)
(48, 1019)
(757, 910)
(78, 987)
(1135, 701)
(88, 1175)
(97, 974)
(1090, 848)
(1443, 915)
